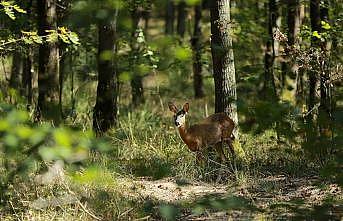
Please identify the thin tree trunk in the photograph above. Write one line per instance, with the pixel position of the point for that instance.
(197, 48)
(170, 17)
(105, 110)
(313, 75)
(48, 68)
(27, 77)
(181, 18)
(269, 87)
(28, 64)
(62, 76)
(325, 110)
(299, 93)
(137, 78)
(223, 60)
(290, 68)
(17, 67)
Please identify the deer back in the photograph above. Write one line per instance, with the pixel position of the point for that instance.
(225, 122)
(205, 134)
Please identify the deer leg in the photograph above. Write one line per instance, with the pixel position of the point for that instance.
(200, 159)
(219, 148)
(229, 143)
(223, 159)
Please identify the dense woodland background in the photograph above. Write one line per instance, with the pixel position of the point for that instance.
(85, 129)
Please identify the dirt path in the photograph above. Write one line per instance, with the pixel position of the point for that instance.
(288, 197)
(171, 191)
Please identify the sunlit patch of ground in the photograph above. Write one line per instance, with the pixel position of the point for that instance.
(170, 190)
(273, 197)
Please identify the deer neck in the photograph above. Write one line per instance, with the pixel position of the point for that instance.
(187, 138)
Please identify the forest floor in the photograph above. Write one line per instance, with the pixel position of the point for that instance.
(272, 197)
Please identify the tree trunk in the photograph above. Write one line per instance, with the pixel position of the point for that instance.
(64, 69)
(325, 110)
(197, 48)
(299, 93)
(48, 68)
(27, 78)
(137, 78)
(269, 87)
(181, 18)
(28, 63)
(313, 75)
(105, 110)
(290, 68)
(170, 17)
(17, 67)
(223, 60)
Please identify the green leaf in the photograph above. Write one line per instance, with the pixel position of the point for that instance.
(9, 12)
(316, 34)
(125, 76)
(62, 137)
(4, 125)
(106, 55)
(48, 154)
(183, 54)
(74, 38)
(193, 2)
(325, 25)
(18, 9)
(11, 140)
(24, 132)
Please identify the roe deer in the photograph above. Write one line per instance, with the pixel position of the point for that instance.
(214, 130)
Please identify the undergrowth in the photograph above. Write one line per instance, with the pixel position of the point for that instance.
(146, 144)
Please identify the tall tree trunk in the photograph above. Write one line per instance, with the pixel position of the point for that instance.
(325, 108)
(17, 67)
(27, 77)
(137, 78)
(313, 75)
(269, 87)
(105, 110)
(223, 59)
(63, 75)
(170, 17)
(48, 68)
(28, 63)
(299, 93)
(197, 48)
(289, 68)
(181, 18)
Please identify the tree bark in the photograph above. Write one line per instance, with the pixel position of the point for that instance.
(197, 51)
(223, 60)
(27, 77)
(313, 75)
(28, 63)
(48, 68)
(181, 18)
(325, 108)
(105, 110)
(290, 68)
(137, 78)
(299, 93)
(170, 17)
(17, 68)
(269, 87)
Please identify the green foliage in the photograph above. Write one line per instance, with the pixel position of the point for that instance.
(24, 147)
(27, 37)
(10, 8)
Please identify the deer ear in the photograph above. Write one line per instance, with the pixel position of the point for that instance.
(186, 107)
(172, 107)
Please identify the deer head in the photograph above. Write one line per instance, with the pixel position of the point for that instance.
(179, 115)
